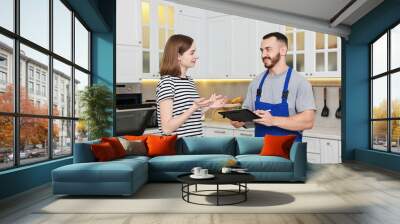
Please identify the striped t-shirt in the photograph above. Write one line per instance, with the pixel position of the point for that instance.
(183, 92)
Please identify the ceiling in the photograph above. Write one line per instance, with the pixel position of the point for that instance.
(328, 16)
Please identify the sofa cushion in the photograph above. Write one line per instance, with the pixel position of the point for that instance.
(277, 145)
(249, 145)
(103, 151)
(185, 163)
(207, 145)
(257, 163)
(134, 147)
(112, 171)
(116, 145)
(161, 145)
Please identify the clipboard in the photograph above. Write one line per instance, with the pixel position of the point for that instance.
(243, 115)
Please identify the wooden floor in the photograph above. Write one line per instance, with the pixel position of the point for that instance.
(378, 188)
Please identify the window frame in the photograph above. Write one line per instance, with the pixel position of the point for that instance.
(388, 74)
(18, 40)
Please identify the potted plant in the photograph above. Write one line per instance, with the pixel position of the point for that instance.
(96, 104)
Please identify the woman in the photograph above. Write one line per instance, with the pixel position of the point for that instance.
(179, 106)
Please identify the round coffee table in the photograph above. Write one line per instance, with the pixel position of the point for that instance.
(238, 179)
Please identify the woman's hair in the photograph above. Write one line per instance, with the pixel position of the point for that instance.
(176, 45)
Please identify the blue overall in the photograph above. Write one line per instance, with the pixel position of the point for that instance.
(280, 109)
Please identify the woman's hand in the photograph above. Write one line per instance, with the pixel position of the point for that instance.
(201, 103)
(217, 101)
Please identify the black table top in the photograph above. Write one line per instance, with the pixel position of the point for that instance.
(220, 178)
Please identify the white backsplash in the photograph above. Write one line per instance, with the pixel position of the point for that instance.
(232, 89)
(332, 102)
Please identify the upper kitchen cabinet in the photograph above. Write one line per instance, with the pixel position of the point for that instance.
(313, 54)
(128, 23)
(192, 22)
(129, 42)
(158, 24)
(326, 52)
(243, 48)
(219, 45)
(233, 46)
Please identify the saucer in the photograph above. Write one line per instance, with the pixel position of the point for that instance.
(208, 176)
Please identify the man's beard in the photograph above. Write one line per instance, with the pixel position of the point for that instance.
(274, 61)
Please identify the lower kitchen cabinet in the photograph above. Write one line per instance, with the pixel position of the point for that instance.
(218, 132)
(320, 150)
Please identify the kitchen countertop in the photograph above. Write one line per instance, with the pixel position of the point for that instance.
(318, 132)
(326, 133)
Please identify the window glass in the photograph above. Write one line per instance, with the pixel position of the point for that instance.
(34, 21)
(6, 74)
(62, 91)
(81, 45)
(7, 14)
(379, 56)
(81, 82)
(34, 144)
(379, 97)
(39, 62)
(62, 29)
(62, 138)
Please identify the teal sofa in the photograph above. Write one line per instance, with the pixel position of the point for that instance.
(125, 176)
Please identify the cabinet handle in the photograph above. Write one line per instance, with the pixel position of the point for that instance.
(328, 143)
(220, 132)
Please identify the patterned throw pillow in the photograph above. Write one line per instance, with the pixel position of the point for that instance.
(133, 147)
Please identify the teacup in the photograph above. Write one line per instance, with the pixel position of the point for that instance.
(196, 171)
(203, 172)
(226, 170)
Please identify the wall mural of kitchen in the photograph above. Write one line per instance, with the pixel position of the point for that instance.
(228, 60)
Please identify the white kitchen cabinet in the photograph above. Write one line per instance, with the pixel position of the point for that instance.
(128, 22)
(219, 45)
(192, 22)
(329, 151)
(313, 158)
(312, 145)
(320, 150)
(218, 132)
(243, 48)
(313, 54)
(326, 55)
(128, 63)
(243, 133)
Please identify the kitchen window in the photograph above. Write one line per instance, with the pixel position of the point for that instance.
(385, 97)
(57, 24)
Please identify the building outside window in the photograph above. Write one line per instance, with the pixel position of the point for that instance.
(34, 79)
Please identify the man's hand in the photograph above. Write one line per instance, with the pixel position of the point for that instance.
(237, 124)
(266, 117)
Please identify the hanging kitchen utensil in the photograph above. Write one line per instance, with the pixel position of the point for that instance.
(325, 110)
(338, 113)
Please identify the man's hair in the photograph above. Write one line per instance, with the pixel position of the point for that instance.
(279, 36)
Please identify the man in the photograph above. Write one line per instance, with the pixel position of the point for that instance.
(280, 96)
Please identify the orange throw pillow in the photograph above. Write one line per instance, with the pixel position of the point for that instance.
(161, 145)
(277, 145)
(116, 145)
(136, 137)
(103, 151)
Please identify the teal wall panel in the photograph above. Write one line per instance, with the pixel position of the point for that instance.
(356, 85)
